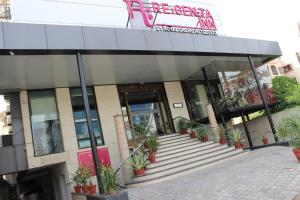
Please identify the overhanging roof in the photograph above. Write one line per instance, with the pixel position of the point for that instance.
(23, 36)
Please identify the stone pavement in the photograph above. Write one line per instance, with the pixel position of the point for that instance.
(266, 174)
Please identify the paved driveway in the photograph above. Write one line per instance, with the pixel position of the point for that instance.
(266, 174)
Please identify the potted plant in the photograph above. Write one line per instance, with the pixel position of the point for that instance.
(193, 134)
(183, 126)
(82, 175)
(152, 145)
(265, 140)
(92, 188)
(77, 181)
(202, 133)
(237, 137)
(289, 128)
(138, 162)
(222, 133)
(109, 186)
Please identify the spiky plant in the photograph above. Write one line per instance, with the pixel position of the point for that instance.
(138, 160)
(109, 180)
(236, 135)
(289, 128)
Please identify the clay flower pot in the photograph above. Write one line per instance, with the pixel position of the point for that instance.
(297, 153)
(152, 157)
(265, 141)
(183, 132)
(223, 140)
(92, 189)
(204, 138)
(78, 188)
(85, 188)
(193, 134)
(139, 172)
(238, 145)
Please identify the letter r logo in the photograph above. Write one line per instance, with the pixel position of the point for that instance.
(131, 5)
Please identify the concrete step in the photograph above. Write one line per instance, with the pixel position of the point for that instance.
(154, 175)
(182, 147)
(173, 140)
(176, 143)
(171, 137)
(179, 152)
(189, 171)
(189, 160)
(187, 156)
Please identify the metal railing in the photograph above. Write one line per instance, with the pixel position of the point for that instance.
(129, 157)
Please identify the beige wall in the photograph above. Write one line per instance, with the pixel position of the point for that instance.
(175, 95)
(108, 103)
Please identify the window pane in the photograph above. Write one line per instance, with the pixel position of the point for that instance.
(80, 117)
(45, 123)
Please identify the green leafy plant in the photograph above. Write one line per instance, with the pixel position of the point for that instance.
(289, 128)
(152, 143)
(284, 91)
(184, 124)
(202, 132)
(141, 132)
(236, 135)
(82, 175)
(109, 181)
(138, 160)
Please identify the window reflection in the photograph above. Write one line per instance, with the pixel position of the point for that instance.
(80, 117)
(45, 123)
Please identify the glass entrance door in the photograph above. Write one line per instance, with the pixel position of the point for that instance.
(145, 109)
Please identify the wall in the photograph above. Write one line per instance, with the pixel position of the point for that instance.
(175, 95)
(260, 126)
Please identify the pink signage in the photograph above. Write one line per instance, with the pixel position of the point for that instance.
(204, 17)
(85, 158)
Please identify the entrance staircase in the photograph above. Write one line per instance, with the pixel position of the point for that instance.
(179, 154)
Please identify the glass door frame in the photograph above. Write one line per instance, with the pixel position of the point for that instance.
(159, 90)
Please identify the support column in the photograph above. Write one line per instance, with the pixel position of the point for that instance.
(247, 131)
(263, 97)
(213, 122)
(89, 119)
(209, 90)
(123, 147)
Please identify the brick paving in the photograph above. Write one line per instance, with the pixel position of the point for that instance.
(266, 174)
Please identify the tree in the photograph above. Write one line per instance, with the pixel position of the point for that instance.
(284, 90)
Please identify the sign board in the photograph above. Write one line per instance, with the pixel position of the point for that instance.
(202, 19)
(177, 105)
(85, 158)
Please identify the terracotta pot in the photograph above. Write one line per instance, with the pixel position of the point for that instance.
(297, 153)
(223, 141)
(265, 141)
(85, 188)
(92, 189)
(152, 157)
(183, 132)
(139, 172)
(193, 134)
(238, 145)
(204, 138)
(145, 145)
(78, 188)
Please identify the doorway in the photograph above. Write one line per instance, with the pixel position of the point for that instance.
(145, 106)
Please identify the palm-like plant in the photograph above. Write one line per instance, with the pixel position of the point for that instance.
(152, 143)
(109, 181)
(138, 160)
(236, 135)
(183, 125)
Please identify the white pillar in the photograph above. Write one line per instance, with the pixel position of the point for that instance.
(123, 147)
(213, 122)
